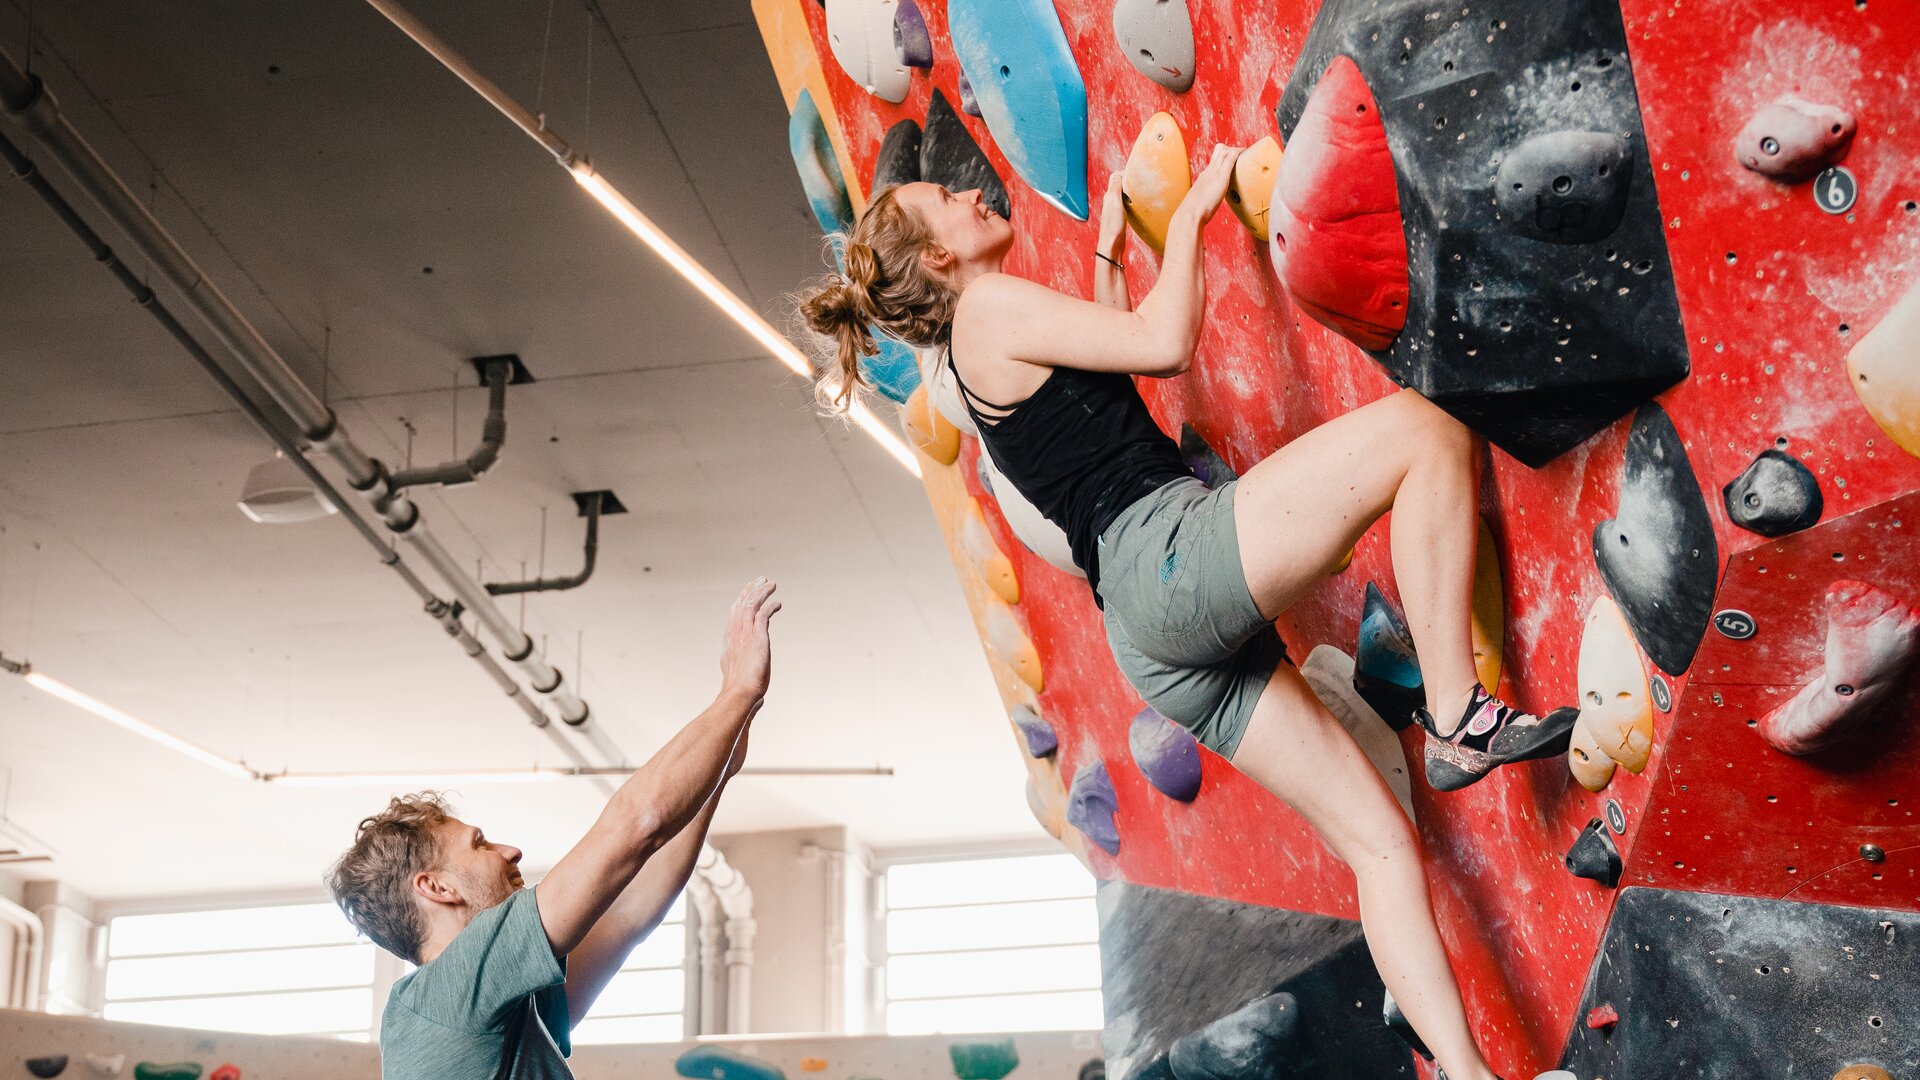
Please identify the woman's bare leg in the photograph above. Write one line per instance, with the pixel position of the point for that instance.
(1303, 507)
(1294, 748)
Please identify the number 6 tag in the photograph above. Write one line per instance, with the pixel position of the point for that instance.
(1835, 190)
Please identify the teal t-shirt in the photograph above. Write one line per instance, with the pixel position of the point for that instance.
(448, 1020)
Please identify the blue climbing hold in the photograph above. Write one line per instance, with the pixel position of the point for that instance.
(1039, 734)
(1016, 57)
(1385, 670)
(1167, 754)
(1091, 805)
(713, 1063)
(819, 168)
(894, 371)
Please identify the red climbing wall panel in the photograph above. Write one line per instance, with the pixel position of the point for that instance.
(1772, 291)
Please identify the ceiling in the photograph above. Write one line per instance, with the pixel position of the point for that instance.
(381, 224)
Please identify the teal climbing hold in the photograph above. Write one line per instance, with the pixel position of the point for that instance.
(1015, 56)
(983, 1060)
(894, 371)
(819, 168)
(713, 1063)
(1386, 669)
(178, 1070)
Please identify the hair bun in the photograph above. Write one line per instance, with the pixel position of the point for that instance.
(863, 266)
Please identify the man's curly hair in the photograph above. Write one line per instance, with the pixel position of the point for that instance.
(373, 881)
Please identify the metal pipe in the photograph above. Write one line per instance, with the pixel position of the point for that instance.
(493, 434)
(503, 588)
(23, 986)
(25, 98)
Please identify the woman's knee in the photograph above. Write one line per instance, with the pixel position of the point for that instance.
(1430, 427)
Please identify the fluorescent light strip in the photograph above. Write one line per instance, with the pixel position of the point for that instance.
(527, 776)
(51, 685)
(736, 309)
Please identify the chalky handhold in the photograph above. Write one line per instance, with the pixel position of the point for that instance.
(46, 1068)
(988, 560)
(176, 1070)
(1258, 1039)
(1863, 1071)
(1035, 531)
(1167, 755)
(1329, 673)
(1156, 37)
(1658, 555)
(715, 1063)
(949, 157)
(1157, 177)
(983, 1060)
(1008, 641)
(1594, 856)
(898, 159)
(860, 34)
(1386, 670)
(1039, 735)
(1339, 245)
(1791, 139)
(1873, 639)
(1202, 460)
(968, 103)
(1250, 192)
(1616, 709)
(228, 1071)
(1398, 1023)
(1602, 1017)
(1591, 765)
(1774, 496)
(819, 169)
(911, 42)
(1027, 83)
(106, 1064)
(1091, 805)
(1565, 187)
(1885, 371)
(928, 430)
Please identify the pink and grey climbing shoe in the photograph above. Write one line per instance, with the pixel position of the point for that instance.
(1491, 734)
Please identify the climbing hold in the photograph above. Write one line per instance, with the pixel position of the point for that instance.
(1589, 763)
(1166, 754)
(1035, 531)
(968, 103)
(1093, 1069)
(1024, 77)
(988, 560)
(1258, 1039)
(1774, 496)
(1157, 178)
(178, 1070)
(1338, 241)
(1202, 460)
(1657, 555)
(983, 1060)
(813, 1064)
(893, 371)
(1011, 644)
(860, 33)
(898, 159)
(1885, 370)
(911, 42)
(1156, 37)
(1602, 1017)
(1386, 670)
(1872, 640)
(1565, 187)
(1594, 856)
(1039, 734)
(1091, 805)
(46, 1068)
(1250, 192)
(106, 1064)
(819, 169)
(715, 1063)
(928, 430)
(949, 157)
(1863, 1071)
(228, 1071)
(1615, 709)
(1329, 673)
(1792, 139)
(1489, 610)
(938, 378)
(1398, 1023)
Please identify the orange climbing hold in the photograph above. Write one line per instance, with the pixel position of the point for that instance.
(1250, 195)
(1339, 245)
(1156, 179)
(928, 430)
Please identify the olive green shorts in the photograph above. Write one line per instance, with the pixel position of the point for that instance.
(1179, 616)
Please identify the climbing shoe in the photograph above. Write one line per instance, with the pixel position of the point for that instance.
(1491, 734)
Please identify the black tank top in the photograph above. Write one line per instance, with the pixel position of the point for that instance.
(1081, 448)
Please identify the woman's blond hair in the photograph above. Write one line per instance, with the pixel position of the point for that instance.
(883, 283)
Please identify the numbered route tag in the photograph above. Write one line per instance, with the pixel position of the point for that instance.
(1835, 190)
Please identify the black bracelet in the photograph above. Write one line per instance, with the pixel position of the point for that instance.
(1103, 257)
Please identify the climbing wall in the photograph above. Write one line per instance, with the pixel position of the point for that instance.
(41, 1045)
(1667, 259)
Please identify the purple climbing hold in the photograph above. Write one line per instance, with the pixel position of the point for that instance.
(968, 104)
(1091, 805)
(910, 37)
(1041, 740)
(1167, 755)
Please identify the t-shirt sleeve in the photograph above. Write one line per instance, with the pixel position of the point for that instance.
(490, 968)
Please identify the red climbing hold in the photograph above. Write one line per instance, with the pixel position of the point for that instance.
(1602, 1017)
(1872, 639)
(228, 1071)
(1338, 242)
(1792, 139)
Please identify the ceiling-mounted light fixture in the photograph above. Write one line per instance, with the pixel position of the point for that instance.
(278, 493)
(45, 683)
(533, 775)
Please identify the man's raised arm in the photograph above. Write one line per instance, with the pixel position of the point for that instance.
(667, 793)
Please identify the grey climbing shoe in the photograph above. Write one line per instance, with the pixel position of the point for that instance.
(1491, 734)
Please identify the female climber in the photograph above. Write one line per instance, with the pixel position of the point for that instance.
(1190, 578)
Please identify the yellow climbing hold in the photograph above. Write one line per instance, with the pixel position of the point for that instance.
(928, 430)
(1157, 178)
(1010, 644)
(1615, 705)
(1250, 192)
(1489, 611)
(988, 560)
(1884, 369)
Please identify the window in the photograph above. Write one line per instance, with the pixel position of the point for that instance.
(646, 1001)
(288, 970)
(999, 944)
